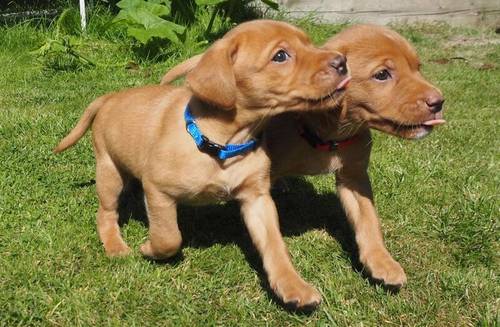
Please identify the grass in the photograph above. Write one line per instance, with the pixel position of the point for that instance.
(438, 198)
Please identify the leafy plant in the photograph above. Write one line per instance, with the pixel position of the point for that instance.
(60, 52)
(153, 24)
(148, 19)
(144, 20)
(54, 51)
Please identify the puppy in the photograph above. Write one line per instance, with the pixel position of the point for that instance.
(199, 143)
(388, 93)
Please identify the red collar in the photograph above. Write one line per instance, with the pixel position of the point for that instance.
(326, 146)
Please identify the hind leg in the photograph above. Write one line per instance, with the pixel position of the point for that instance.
(109, 184)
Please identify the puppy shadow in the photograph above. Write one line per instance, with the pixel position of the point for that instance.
(300, 209)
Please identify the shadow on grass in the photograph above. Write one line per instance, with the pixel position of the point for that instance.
(300, 208)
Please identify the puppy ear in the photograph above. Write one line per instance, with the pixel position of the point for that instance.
(212, 80)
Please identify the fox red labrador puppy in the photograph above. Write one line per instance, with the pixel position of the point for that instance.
(388, 93)
(200, 143)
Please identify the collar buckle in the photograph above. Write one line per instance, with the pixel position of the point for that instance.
(210, 147)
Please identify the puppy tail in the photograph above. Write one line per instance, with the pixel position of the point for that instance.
(181, 69)
(81, 127)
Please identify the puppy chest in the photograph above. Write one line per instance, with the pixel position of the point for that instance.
(224, 186)
(210, 193)
(219, 192)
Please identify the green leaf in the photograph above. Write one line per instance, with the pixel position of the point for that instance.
(164, 30)
(140, 34)
(127, 4)
(50, 46)
(144, 22)
(143, 17)
(271, 4)
(209, 2)
(157, 9)
(179, 29)
(154, 7)
(122, 17)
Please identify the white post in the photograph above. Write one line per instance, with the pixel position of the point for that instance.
(83, 15)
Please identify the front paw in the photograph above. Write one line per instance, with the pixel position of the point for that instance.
(296, 293)
(158, 253)
(382, 267)
(146, 250)
(117, 250)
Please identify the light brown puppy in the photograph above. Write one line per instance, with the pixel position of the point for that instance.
(387, 92)
(257, 70)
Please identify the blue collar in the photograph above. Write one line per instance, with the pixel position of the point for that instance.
(216, 150)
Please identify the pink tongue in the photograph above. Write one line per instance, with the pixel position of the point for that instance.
(434, 122)
(344, 83)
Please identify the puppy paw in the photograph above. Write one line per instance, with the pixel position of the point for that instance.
(297, 294)
(117, 249)
(147, 250)
(164, 253)
(384, 268)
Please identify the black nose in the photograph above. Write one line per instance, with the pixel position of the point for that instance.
(435, 102)
(339, 64)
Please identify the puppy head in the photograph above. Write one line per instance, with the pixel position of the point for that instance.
(387, 90)
(267, 64)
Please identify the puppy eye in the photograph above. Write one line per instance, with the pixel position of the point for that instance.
(382, 75)
(281, 56)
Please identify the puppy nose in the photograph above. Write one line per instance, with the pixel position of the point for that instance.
(435, 102)
(339, 64)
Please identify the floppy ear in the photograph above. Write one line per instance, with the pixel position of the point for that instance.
(212, 80)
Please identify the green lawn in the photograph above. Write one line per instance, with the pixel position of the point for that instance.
(438, 199)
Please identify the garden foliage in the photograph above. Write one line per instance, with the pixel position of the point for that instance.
(148, 19)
